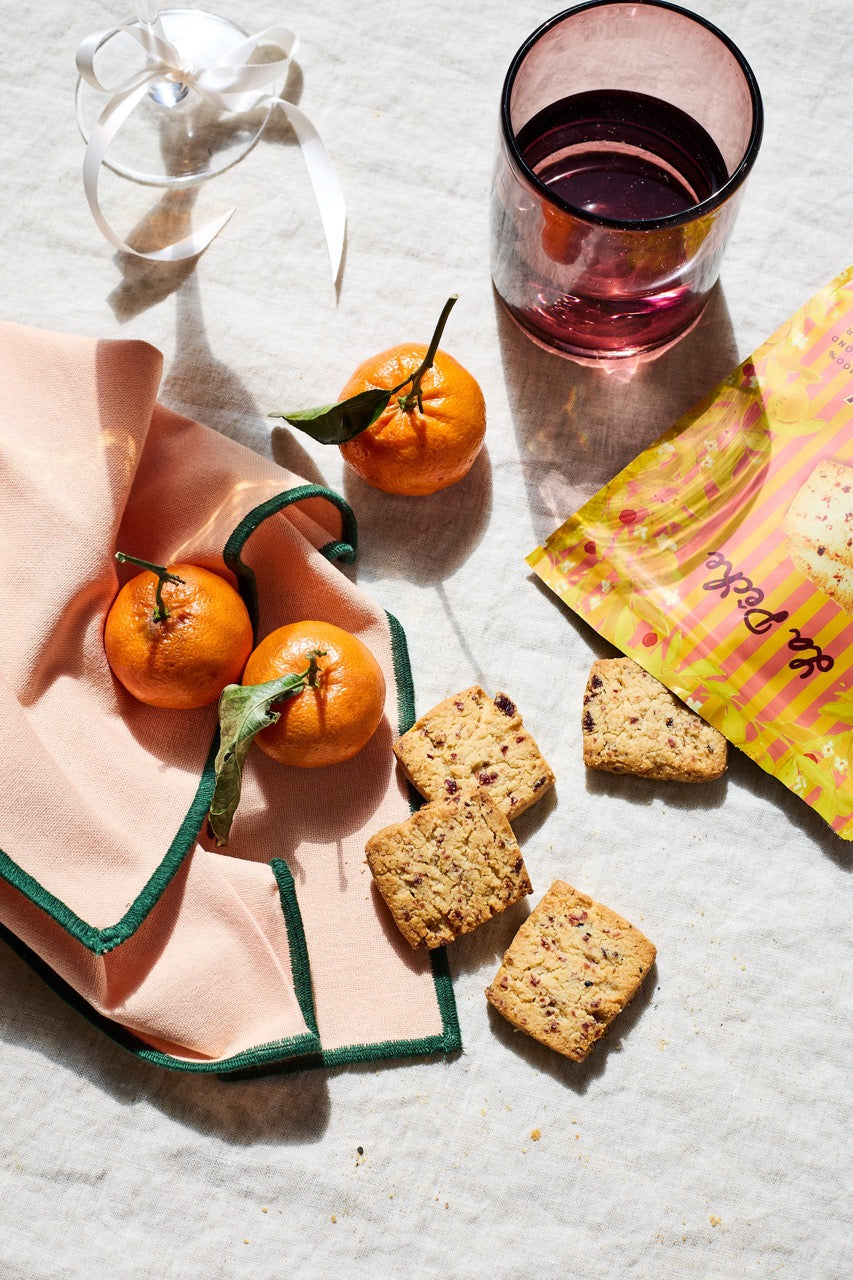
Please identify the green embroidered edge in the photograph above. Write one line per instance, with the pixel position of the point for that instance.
(448, 1041)
(103, 940)
(271, 1053)
(296, 1052)
(299, 963)
(344, 550)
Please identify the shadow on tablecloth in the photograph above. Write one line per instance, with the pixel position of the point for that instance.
(578, 426)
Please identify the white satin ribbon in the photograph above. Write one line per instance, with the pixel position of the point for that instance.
(228, 83)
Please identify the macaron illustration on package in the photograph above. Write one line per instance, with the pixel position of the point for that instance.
(721, 559)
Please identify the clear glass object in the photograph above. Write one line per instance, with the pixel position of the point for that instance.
(627, 131)
(174, 138)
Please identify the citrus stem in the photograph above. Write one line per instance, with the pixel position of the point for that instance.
(302, 680)
(415, 396)
(311, 675)
(163, 576)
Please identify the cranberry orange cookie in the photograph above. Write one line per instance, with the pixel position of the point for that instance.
(571, 968)
(471, 743)
(633, 724)
(448, 868)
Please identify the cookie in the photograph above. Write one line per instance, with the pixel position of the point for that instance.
(819, 528)
(471, 743)
(571, 968)
(448, 868)
(633, 724)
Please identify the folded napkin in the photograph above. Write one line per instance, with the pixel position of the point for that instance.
(276, 948)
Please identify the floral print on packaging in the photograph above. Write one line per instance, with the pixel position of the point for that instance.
(721, 559)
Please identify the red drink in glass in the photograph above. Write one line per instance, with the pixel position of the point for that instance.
(611, 207)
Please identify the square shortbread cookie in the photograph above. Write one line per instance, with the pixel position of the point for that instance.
(470, 743)
(571, 968)
(448, 868)
(633, 724)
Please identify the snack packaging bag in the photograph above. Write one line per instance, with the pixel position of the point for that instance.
(721, 558)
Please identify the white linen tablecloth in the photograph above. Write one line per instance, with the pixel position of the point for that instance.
(708, 1137)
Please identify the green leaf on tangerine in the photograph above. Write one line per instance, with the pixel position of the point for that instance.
(244, 710)
(337, 423)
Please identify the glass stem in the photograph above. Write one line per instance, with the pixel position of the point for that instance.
(166, 93)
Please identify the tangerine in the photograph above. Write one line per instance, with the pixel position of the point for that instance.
(429, 436)
(329, 721)
(176, 635)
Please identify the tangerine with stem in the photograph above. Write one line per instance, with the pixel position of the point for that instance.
(410, 420)
(176, 635)
(337, 707)
(432, 430)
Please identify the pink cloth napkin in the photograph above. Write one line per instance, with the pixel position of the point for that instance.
(277, 947)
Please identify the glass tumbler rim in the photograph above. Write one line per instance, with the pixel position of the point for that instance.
(696, 211)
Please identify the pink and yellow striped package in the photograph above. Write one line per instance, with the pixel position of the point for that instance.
(721, 559)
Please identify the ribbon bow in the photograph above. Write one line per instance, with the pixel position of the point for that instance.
(228, 83)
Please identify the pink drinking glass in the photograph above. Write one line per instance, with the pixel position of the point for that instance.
(627, 131)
